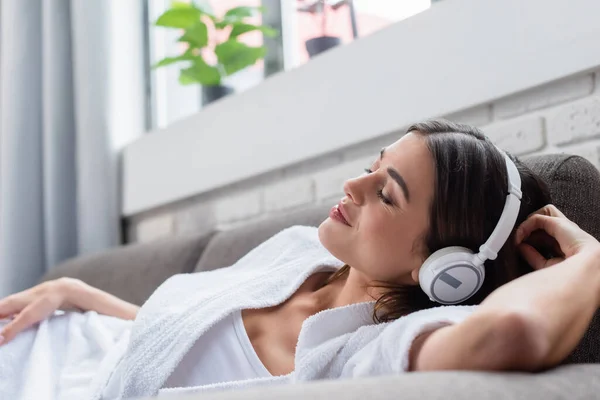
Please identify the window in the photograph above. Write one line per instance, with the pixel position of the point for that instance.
(168, 100)
(297, 20)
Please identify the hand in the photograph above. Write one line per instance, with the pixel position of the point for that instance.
(34, 305)
(549, 225)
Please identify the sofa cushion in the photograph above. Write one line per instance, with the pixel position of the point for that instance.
(134, 271)
(575, 189)
(573, 382)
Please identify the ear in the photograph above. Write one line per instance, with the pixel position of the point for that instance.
(415, 274)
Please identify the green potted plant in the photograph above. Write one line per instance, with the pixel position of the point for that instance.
(231, 54)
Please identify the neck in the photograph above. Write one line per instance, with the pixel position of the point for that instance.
(350, 289)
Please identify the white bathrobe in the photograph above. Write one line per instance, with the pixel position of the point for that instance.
(337, 343)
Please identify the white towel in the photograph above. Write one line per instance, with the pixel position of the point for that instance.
(336, 343)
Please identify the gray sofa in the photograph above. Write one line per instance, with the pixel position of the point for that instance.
(132, 272)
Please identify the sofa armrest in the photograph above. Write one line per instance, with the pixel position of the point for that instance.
(572, 382)
(132, 272)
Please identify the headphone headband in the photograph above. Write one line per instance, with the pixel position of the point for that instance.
(489, 250)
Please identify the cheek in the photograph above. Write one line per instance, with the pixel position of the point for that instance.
(384, 227)
(383, 234)
(390, 239)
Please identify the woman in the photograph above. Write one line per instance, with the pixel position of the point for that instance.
(440, 185)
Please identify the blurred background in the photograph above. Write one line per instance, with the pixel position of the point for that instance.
(126, 121)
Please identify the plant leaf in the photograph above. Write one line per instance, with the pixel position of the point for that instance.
(239, 28)
(200, 72)
(237, 13)
(196, 35)
(220, 24)
(179, 17)
(181, 4)
(235, 56)
(170, 60)
(186, 79)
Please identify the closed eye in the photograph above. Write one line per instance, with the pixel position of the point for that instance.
(380, 194)
(383, 198)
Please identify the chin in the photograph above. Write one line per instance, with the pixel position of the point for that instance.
(332, 238)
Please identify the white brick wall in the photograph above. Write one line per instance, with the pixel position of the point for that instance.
(155, 227)
(195, 218)
(518, 136)
(547, 95)
(239, 206)
(575, 122)
(288, 194)
(563, 116)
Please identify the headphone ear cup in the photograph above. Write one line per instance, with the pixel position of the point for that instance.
(450, 275)
(433, 261)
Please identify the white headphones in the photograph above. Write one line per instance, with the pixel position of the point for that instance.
(453, 274)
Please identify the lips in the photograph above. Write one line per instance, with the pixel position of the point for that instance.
(344, 213)
(337, 214)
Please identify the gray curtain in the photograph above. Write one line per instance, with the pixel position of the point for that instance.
(61, 128)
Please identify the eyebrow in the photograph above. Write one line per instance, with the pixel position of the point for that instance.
(395, 175)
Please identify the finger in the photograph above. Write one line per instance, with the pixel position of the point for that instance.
(549, 210)
(12, 305)
(569, 236)
(535, 222)
(531, 255)
(30, 315)
(555, 212)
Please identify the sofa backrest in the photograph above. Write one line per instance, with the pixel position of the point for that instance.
(134, 271)
(227, 247)
(574, 185)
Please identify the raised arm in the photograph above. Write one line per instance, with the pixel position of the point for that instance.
(533, 322)
(40, 302)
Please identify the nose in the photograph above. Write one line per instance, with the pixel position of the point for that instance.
(353, 188)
